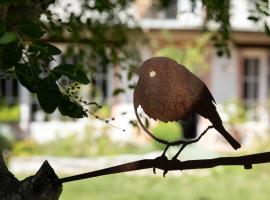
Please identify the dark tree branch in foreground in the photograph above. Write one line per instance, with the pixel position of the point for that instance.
(44, 185)
(247, 161)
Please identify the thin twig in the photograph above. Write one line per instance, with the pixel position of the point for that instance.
(247, 161)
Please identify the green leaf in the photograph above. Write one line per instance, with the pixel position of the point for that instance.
(25, 76)
(118, 91)
(71, 109)
(7, 2)
(69, 29)
(130, 75)
(3, 26)
(45, 48)
(81, 77)
(71, 72)
(10, 54)
(63, 69)
(8, 37)
(31, 29)
(48, 95)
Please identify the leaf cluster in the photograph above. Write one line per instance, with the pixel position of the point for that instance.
(26, 26)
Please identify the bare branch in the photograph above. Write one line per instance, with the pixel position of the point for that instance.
(247, 161)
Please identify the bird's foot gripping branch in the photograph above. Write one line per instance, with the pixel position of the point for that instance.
(183, 143)
(164, 164)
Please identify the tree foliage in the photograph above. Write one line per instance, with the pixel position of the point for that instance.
(95, 37)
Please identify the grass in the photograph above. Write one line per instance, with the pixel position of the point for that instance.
(209, 184)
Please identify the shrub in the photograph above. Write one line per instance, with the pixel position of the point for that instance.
(9, 113)
(233, 112)
(26, 148)
(5, 144)
(87, 145)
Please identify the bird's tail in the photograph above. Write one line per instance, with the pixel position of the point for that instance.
(217, 123)
(227, 136)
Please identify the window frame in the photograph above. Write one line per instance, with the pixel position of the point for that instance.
(263, 87)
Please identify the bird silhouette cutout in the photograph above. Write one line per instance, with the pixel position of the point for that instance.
(168, 91)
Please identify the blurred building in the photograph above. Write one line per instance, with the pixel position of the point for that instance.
(244, 76)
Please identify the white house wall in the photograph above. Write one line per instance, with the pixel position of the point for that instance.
(239, 16)
(224, 74)
(25, 109)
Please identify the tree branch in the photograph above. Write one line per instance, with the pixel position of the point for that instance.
(247, 161)
(44, 185)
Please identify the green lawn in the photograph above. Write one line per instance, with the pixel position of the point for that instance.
(215, 184)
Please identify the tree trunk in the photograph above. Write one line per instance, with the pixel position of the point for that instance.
(44, 185)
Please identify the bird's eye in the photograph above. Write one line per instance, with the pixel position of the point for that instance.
(152, 74)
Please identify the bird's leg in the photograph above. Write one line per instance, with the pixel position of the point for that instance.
(162, 158)
(176, 155)
(180, 150)
(165, 150)
(190, 142)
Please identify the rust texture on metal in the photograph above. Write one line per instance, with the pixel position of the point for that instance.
(166, 90)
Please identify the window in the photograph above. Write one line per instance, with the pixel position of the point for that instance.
(251, 81)
(9, 91)
(171, 10)
(152, 12)
(100, 82)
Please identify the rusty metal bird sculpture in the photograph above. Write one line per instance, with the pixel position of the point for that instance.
(168, 91)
